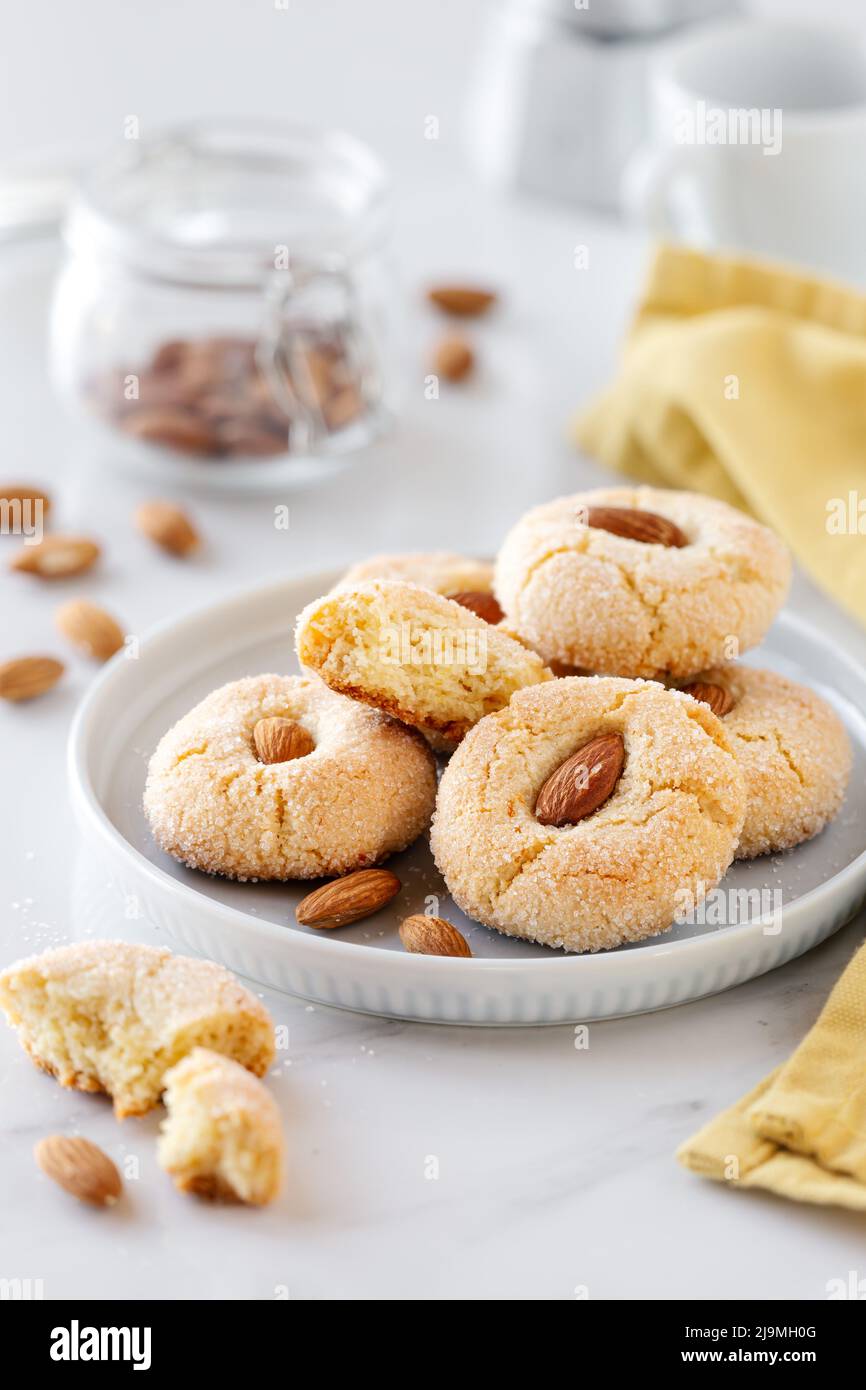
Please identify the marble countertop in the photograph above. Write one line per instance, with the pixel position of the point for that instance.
(554, 1175)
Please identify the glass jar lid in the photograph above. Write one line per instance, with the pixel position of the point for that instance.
(222, 202)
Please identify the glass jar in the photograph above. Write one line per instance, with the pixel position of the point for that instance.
(224, 309)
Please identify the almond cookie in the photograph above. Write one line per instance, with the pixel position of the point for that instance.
(423, 658)
(792, 749)
(108, 1016)
(276, 777)
(640, 581)
(612, 852)
(222, 1137)
(469, 582)
(440, 570)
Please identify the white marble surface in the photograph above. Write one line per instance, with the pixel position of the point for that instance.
(555, 1165)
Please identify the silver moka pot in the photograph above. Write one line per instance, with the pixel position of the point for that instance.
(558, 103)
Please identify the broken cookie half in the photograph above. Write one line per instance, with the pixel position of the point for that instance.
(110, 1016)
(423, 658)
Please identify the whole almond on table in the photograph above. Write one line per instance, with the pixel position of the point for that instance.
(56, 557)
(720, 701)
(635, 525)
(90, 628)
(24, 494)
(482, 604)
(432, 936)
(582, 783)
(167, 526)
(453, 358)
(463, 301)
(348, 899)
(281, 741)
(25, 677)
(80, 1168)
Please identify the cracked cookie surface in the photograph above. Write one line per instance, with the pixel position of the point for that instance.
(365, 791)
(794, 754)
(663, 838)
(584, 597)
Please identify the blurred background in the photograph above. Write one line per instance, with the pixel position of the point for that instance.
(504, 131)
(375, 69)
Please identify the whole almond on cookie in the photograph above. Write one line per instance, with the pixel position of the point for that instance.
(720, 701)
(25, 677)
(80, 1168)
(56, 557)
(635, 525)
(582, 783)
(463, 301)
(348, 899)
(167, 526)
(453, 358)
(432, 936)
(483, 605)
(281, 741)
(90, 628)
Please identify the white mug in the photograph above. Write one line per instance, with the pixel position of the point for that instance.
(758, 143)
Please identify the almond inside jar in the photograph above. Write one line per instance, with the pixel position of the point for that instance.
(207, 397)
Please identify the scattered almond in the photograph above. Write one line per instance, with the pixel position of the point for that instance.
(168, 526)
(24, 493)
(464, 301)
(28, 676)
(348, 899)
(720, 701)
(582, 783)
(90, 628)
(453, 358)
(636, 525)
(482, 604)
(80, 1167)
(281, 741)
(432, 936)
(56, 557)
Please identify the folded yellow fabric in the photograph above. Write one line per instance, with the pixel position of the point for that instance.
(802, 1132)
(748, 381)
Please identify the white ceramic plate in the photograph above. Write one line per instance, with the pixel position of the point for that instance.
(250, 927)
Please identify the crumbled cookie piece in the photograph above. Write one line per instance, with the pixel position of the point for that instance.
(222, 1136)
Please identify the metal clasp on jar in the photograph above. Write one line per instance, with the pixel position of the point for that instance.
(314, 355)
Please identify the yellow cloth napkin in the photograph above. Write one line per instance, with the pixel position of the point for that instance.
(748, 381)
(802, 1132)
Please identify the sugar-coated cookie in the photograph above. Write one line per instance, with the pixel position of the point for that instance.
(440, 570)
(663, 837)
(222, 1136)
(423, 658)
(603, 600)
(793, 751)
(109, 1016)
(365, 789)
